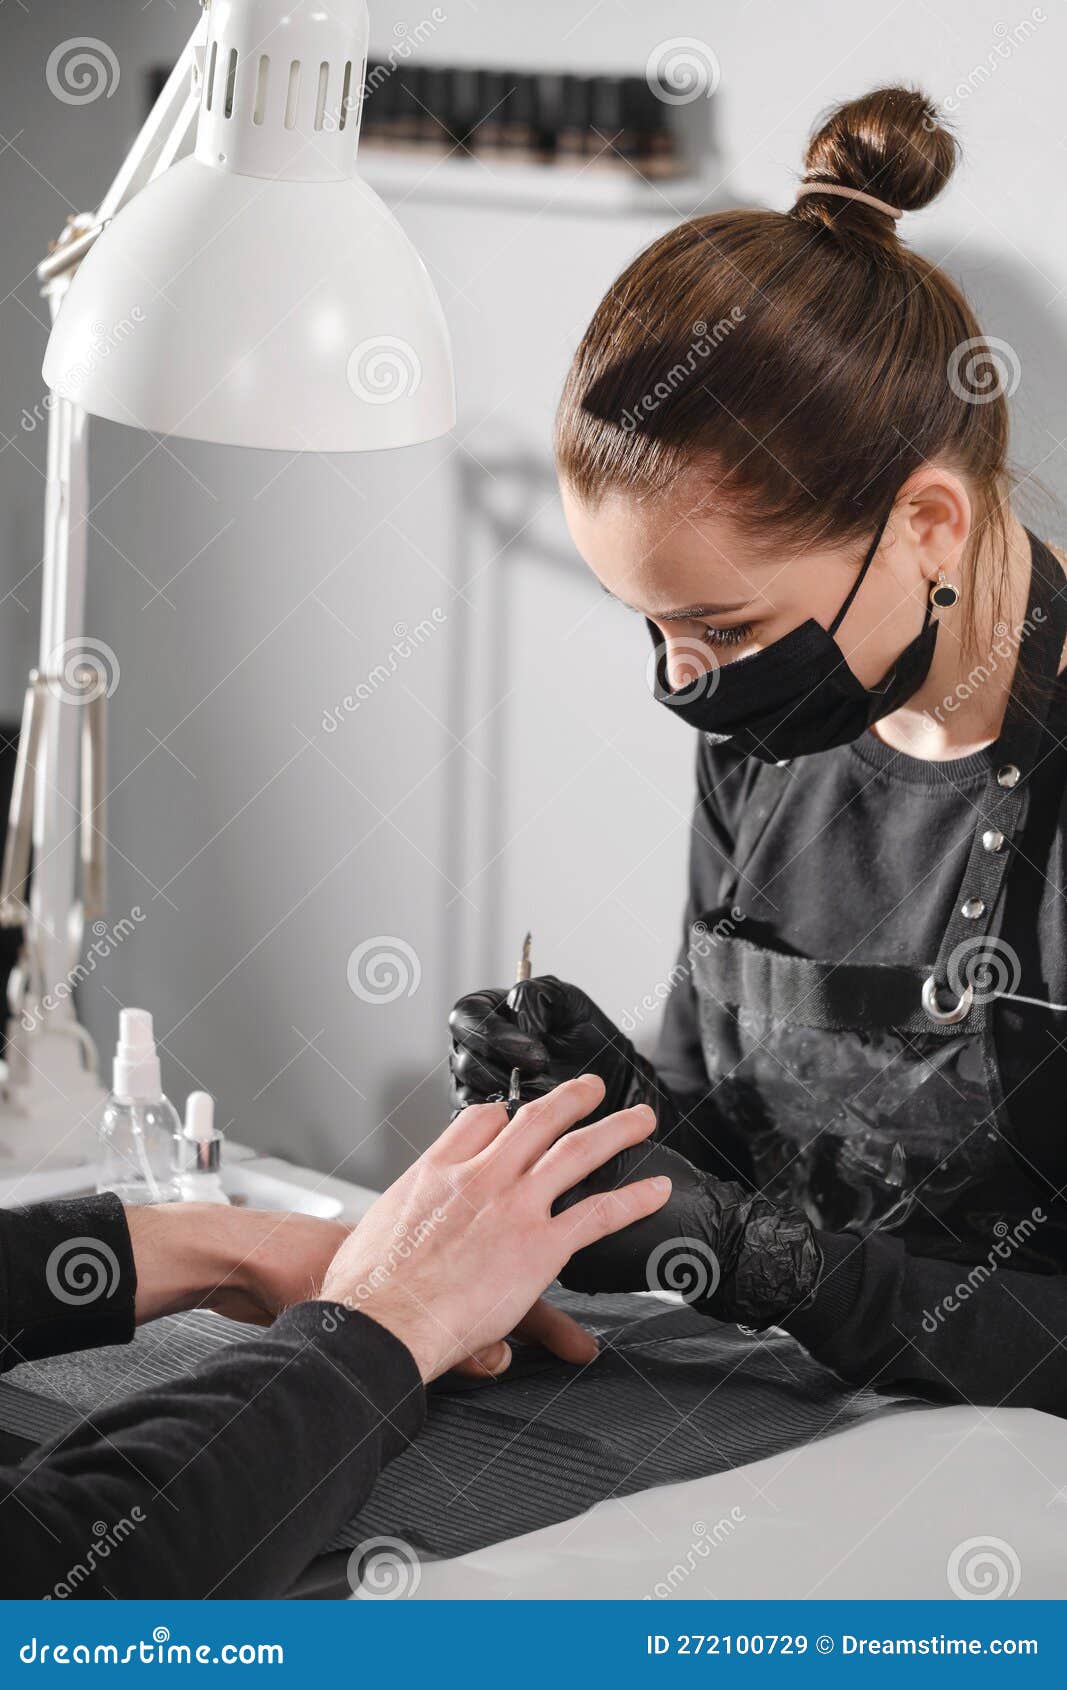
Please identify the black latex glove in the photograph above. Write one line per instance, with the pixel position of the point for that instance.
(554, 1033)
(727, 1250)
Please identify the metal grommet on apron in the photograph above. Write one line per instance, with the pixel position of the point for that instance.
(869, 1094)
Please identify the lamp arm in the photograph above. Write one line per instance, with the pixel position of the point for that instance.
(170, 125)
(18, 842)
(46, 804)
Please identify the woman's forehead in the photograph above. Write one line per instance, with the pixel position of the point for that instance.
(667, 552)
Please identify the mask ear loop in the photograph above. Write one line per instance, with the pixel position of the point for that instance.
(858, 582)
(863, 570)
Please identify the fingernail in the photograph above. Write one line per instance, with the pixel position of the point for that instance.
(660, 1182)
(645, 1111)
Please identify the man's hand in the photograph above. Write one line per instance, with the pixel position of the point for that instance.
(245, 1263)
(250, 1264)
(454, 1254)
(546, 1328)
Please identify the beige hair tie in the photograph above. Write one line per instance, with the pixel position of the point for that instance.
(849, 194)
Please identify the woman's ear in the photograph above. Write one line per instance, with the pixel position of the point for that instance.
(933, 516)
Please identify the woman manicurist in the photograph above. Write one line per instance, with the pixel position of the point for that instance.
(860, 1087)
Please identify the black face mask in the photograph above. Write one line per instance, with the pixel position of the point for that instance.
(798, 695)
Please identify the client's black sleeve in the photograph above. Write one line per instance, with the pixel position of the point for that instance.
(67, 1278)
(226, 1483)
(987, 1335)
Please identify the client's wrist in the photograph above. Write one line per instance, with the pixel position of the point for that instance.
(400, 1315)
(183, 1252)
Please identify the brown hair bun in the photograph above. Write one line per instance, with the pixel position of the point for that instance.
(890, 144)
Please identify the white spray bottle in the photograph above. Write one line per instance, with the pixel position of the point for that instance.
(201, 1152)
(139, 1127)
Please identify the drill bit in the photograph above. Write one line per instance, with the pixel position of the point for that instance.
(522, 973)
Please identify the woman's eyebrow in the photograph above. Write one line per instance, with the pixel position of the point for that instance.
(688, 613)
(696, 612)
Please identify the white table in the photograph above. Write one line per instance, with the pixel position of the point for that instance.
(875, 1511)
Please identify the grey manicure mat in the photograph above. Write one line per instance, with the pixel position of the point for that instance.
(671, 1396)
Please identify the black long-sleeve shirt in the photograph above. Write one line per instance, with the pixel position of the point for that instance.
(864, 859)
(226, 1483)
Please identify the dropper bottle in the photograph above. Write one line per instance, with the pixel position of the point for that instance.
(201, 1151)
(139, 1127)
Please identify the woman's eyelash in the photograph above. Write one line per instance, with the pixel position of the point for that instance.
(728, 636)
(737, 635)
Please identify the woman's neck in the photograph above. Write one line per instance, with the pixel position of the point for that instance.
(960, 706)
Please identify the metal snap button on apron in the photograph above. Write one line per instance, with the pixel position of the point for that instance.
(972, 908)
(992, 840)
(1008, 776)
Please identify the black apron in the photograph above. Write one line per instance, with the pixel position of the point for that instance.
(869, 1094)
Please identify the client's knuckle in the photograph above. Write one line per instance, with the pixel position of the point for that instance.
(608, 1207)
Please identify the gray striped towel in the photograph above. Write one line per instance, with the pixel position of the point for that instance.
(672, 1395)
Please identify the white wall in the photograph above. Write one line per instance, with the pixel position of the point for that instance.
(512, 771)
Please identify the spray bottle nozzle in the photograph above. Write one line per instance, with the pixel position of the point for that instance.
(137, 1072)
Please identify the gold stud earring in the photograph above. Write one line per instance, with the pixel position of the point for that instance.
(943, 595)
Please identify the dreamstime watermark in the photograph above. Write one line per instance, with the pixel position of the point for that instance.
(983, 369)
(383, 369)
(406, 1240)
(703, 344)
(1009, 1240)
(406, 642)
(105, 941)
(81, 670)
(983, 1569)
(157, 1651)
(693, 671)
(986, 966)
(81, 69)
(704, 1540)
(688, 1267)
(384, 968)
(682, 70)
(409, 38)
(702, 942)
(1008, 38)
(81, 1271)
(102, 342)
(384, 1569)
(105, 1539)
(1006, 643)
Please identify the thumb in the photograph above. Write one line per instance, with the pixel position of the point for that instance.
(488, 1363)
(496, 1359)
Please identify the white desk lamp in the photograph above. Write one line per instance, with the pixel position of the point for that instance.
(255, 293)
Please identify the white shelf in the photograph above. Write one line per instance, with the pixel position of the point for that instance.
(604, 189)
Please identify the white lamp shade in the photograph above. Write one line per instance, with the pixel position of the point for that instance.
(251, 312)
(259, 293)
